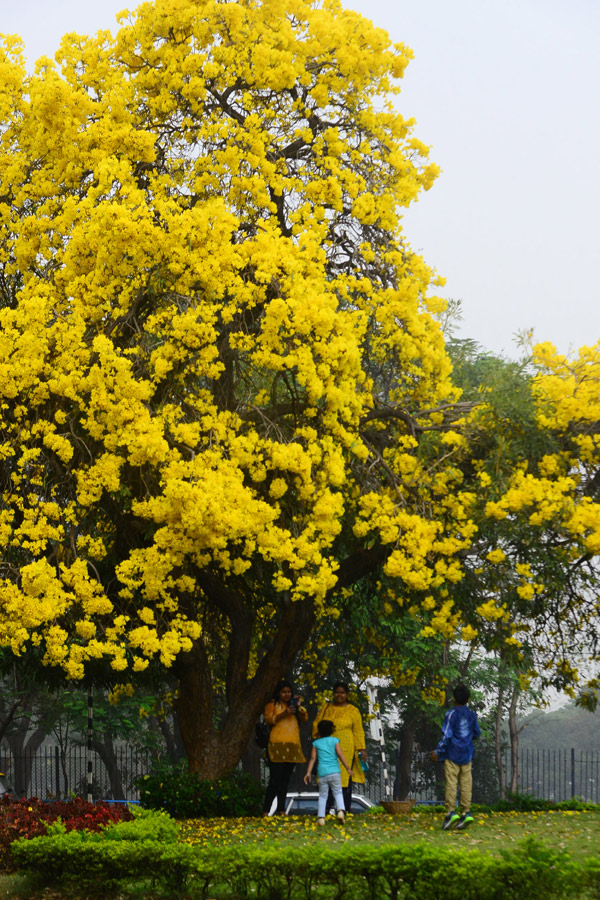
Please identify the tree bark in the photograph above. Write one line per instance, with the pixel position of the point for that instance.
(212, 752)
(106, 751)
(402, 783)
(8, 716)
(24, 749)
(514, 739)
(171, 734)
(251, 760)
(64, 770)
(498, 745)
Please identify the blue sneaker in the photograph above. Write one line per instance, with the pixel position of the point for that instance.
(450, 821)
(465, 820)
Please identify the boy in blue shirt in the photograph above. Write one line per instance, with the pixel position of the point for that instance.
(326, 749)
(459, 730)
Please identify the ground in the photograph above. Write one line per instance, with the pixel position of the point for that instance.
(576, 832)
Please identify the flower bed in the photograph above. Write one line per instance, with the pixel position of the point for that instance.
(29, 818)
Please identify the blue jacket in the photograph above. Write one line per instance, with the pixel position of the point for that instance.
(459, 730)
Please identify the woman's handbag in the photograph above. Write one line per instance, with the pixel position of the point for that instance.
(261, 734)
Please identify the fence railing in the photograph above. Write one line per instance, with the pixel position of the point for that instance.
(53, 772)
(560, 774)
(549, 774)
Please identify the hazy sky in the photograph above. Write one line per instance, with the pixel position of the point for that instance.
(506, 92)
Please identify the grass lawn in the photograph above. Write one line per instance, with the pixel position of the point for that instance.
(578, 833)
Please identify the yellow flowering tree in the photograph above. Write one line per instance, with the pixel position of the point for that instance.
(218, 358)
(531, 577)
(529, 584)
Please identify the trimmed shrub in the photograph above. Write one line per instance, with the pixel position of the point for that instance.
(98, 864)
(143, 824)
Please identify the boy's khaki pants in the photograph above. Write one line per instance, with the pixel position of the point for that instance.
(458, 776)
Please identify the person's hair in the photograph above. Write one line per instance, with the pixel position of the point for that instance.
(340, 684)
(461, 694)
(325, 728)
(280, 686)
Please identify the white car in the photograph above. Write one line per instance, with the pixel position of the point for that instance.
(299, 803)
(5, 788)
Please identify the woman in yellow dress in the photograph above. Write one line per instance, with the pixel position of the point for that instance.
(349, 730)
(284, 750)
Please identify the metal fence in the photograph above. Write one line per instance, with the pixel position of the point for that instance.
(560, 774)
(548, 774)
(51, 772)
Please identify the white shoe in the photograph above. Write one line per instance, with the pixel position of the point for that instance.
(320, 821)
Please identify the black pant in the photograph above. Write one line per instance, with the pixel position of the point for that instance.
(347, 795)
(279, 778)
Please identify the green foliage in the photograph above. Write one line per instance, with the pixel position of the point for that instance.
(578, 804)
(518, 802)
(535, 870)
(98, 866)
(591, 876)
(78, 861)
(147, 824)
(523, 803)
(96, 863)
(185, 795)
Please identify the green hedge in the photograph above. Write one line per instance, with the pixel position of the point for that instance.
(104, 864)
(528, 803)
(519, 803)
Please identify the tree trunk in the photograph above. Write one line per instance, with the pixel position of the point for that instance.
(168, 729)
(514, 739)
(23, 750)
(106, 751)
(8, 715)
(65, 772)
(251, 759)
(214, 752)
(404, 760)
(498, 745)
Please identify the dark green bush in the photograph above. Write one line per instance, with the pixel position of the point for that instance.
(518, 802)
(575, 803)
(523, 803)
(184, 795)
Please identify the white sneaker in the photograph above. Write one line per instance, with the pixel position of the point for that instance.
(320, 821)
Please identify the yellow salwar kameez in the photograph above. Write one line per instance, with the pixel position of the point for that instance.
(349, 730)
(284, 740)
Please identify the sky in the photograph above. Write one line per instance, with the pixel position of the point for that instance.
(506, 94)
